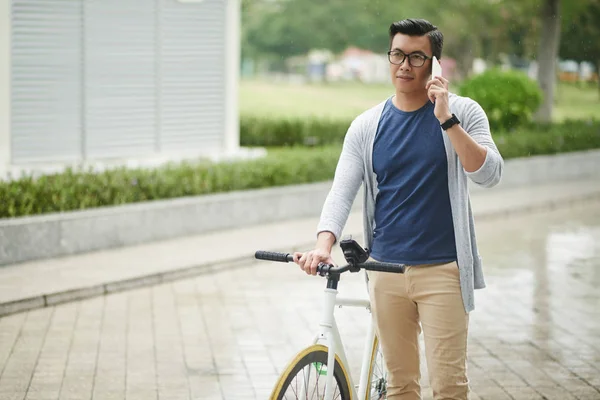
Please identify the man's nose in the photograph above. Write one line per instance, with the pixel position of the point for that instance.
(405, 65)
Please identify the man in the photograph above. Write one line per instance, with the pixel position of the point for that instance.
(414, 153)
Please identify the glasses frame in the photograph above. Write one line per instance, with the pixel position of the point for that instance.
(405, 56)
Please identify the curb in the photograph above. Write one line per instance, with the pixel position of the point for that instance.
(39, 237)
(60, 297)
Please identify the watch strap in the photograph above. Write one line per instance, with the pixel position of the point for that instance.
(450, 122)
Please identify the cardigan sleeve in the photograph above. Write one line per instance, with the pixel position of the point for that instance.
(477, 126)
(346, 182)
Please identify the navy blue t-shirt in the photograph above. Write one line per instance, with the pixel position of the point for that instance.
(413, 218)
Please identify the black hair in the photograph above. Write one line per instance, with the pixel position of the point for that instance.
(419, 27)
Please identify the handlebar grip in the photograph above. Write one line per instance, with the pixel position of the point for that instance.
(271, 256)
(384, 267)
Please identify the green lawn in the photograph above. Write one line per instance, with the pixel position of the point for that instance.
(347, 100)
(575, 102)
(323, 100)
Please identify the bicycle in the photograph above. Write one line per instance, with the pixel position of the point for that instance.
(316, 357)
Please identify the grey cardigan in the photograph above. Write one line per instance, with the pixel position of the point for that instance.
(355, 167)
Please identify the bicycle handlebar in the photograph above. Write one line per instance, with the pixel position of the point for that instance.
(383, 267)
(271, 256)
(324, 268)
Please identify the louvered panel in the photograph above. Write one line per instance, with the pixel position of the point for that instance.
(192, 75)
(120, 74)
(46, 81)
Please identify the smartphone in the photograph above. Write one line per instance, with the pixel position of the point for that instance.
(436, 68)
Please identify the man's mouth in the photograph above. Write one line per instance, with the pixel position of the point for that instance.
(404, 78)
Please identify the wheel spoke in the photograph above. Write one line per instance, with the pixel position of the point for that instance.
(378, 379)
(306, 380)
(318, 377)
(296, 380)
(299, 383)
(295, 391)
(316, 389)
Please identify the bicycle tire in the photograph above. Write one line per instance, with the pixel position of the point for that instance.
(313, 354)
(377, 377)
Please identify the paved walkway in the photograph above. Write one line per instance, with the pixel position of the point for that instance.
(227, 334)
(39, 283)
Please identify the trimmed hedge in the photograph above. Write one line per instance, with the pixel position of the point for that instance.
(74, 190)
(260, 131)
(267, 132)
(534, 140)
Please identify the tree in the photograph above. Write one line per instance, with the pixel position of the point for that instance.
(285, 28)
(581, 37)
(278, 29)
(547, 55)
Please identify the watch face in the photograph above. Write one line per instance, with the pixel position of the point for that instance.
(451, 122)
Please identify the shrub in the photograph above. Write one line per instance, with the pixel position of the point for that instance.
(74, 190)
(260, 131)
(537, 139)
(509, 98)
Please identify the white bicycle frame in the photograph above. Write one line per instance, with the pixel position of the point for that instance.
(329, 333)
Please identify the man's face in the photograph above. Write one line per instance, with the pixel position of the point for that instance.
(407, 78)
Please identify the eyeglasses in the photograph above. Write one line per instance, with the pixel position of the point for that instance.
(415, 60)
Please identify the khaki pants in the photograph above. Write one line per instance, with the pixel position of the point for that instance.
(429, 294)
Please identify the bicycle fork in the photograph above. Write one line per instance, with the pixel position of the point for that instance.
(326, 334)
(329, 333)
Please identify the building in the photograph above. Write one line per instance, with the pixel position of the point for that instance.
(90, 82)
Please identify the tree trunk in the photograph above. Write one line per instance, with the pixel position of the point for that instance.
(464, 62)
(547, 57)
(468, 56)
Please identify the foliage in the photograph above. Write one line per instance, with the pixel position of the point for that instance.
(293, 27)
(264, 131)
(279, 29)
(542, 139)
(509, 97)
(75, 190)
(581, 36)
(528, 139)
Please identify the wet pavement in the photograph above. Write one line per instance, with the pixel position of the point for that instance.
(535, 333)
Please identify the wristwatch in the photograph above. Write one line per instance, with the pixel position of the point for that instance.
(450, 123)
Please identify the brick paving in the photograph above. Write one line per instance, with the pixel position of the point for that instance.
(535, 333)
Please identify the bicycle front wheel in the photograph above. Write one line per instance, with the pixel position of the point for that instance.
(306, 375)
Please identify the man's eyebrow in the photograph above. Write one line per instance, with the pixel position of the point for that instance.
(414, 52)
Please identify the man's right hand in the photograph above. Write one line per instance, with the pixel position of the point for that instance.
(309, 261)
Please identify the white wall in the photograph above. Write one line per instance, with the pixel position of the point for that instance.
(5, 62)
(232, 65)
(230, 141)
